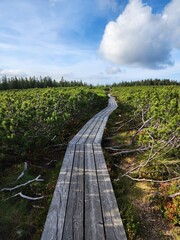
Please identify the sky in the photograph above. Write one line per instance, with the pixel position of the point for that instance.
(97, 41)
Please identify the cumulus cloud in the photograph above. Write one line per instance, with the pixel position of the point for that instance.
(171, 18)
(140, 38)
(113, 70)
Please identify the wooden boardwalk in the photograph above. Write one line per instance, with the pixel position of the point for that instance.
(83, 206)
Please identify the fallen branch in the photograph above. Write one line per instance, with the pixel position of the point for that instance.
(130, 151)
(37, 179)
(108, 138)
(117, 123)
(143, 125)
(115, 148)
(23, 172)
(166, 167)
(38, 207)
(56, 145)
(35, 166)
(52, 139)
(122, 125)
(149, 159)
(25, 197)
(174, 195)
(50, 162)
(151, 180)
(116, 166)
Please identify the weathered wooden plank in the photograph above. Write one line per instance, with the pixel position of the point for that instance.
(112, 102)
(84, 206)
(86, 134)
(114, 229)
(83, 130)
(74, 219)
(96, 127)
(99, 134)
(55, 219)
(90, 128)
(94, 227)
(76, 138)
(112, 106)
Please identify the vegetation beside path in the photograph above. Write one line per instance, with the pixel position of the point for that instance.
(35, 127)
(142, 150)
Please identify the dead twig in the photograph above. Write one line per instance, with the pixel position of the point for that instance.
(149, 159)
(25, 197)
(117, 123)
(142, 126)
(37, 179)
(50, 162)
(151, 180)
(23, 172)
(174, 195)
(38, 207)
(130, 151)
(122, 125)
(56, 145)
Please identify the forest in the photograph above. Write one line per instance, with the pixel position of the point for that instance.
(44, 82)
(33, 82)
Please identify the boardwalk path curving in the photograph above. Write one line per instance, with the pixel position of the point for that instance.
(83, 206)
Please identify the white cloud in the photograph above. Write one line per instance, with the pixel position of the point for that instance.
(113, 70)
(12, 72)
(107, 4)
(171, 17)
(140, 38)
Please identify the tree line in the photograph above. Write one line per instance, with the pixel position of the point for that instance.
(147, 82)
(33, 82)
(44, 82)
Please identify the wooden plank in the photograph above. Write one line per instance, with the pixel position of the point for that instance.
(114, 229)
(55, 219)
(86, 134)
(88, 131)
(77, 137)
(84, 206)
(74, 219)
(96, 127)
(100, 131)
(112, 106)
(94, 227)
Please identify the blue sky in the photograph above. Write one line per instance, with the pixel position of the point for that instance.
(98, 41)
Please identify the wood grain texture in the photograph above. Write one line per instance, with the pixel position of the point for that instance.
(74, 220)
(95, 129)
(83, 206)
(114, 229)
(94, 226)
(53, 228)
